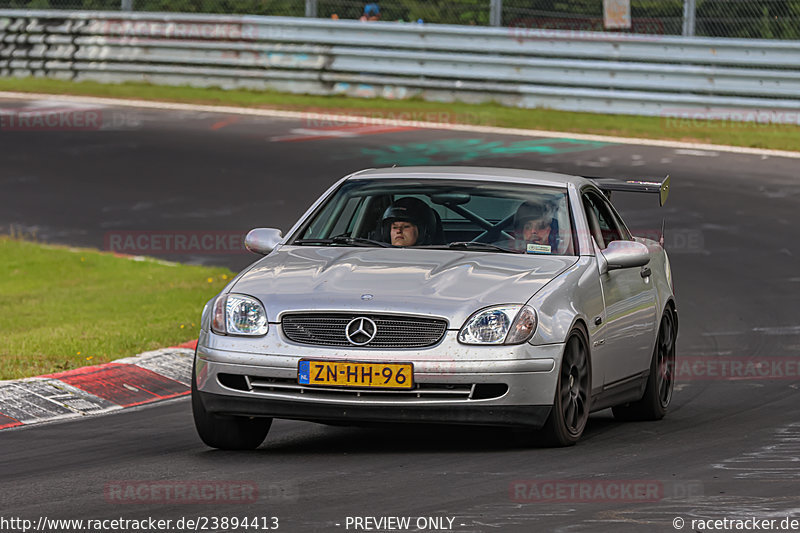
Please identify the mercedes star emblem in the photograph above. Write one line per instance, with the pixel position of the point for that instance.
(360, 331)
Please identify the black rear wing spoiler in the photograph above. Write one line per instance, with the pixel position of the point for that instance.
(634, 185)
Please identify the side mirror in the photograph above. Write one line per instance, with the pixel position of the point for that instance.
(626, 254)
(262, 240)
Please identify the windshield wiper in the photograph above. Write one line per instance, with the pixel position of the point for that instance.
(485, 246)
(344, 239)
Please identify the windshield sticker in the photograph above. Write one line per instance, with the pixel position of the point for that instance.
(447, 151)
(538, 249)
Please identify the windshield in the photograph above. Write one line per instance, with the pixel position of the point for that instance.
(446, 214)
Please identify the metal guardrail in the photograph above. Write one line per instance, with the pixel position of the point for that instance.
(583, 71)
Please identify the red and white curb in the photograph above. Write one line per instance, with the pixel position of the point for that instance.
(145, 378)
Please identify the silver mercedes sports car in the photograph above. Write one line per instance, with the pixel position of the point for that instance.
(443, 295)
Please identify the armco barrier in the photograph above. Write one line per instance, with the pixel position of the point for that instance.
(578, 71)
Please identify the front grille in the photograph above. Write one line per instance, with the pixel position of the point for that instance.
(421, 390)
(328, 329)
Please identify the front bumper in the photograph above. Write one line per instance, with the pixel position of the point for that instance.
(511, 415)
(456, 384)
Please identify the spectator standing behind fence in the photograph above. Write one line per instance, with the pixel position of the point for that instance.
(371, 13)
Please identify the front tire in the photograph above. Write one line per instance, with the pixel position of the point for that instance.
(570, 411)
(660, 382)
(227, 432)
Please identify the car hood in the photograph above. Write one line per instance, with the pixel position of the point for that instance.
(446, 283)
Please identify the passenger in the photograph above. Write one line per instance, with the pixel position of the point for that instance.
(536, 228)
(407, 222)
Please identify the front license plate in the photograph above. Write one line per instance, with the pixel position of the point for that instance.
(353, 374)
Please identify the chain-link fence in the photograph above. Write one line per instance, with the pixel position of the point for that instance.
(762, 19)
(646, 16)
(474, 12)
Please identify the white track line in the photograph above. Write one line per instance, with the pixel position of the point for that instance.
(326, 117)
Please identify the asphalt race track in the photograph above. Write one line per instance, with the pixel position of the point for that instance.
(728, 449)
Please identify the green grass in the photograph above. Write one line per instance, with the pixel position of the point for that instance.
(775, 136)
(62, 308)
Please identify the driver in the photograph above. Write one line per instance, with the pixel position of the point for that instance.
(407, 222)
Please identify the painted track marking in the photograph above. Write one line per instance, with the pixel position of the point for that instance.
(300, 115)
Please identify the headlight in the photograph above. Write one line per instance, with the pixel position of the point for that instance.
(237, 314)
(504, 324)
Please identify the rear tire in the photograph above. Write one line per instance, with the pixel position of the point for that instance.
(570, 411)
(227, 432)
(660, 382)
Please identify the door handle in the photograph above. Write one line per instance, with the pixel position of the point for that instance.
(646, 272)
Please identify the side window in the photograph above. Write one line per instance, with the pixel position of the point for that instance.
(623, 230)
(603, 224)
